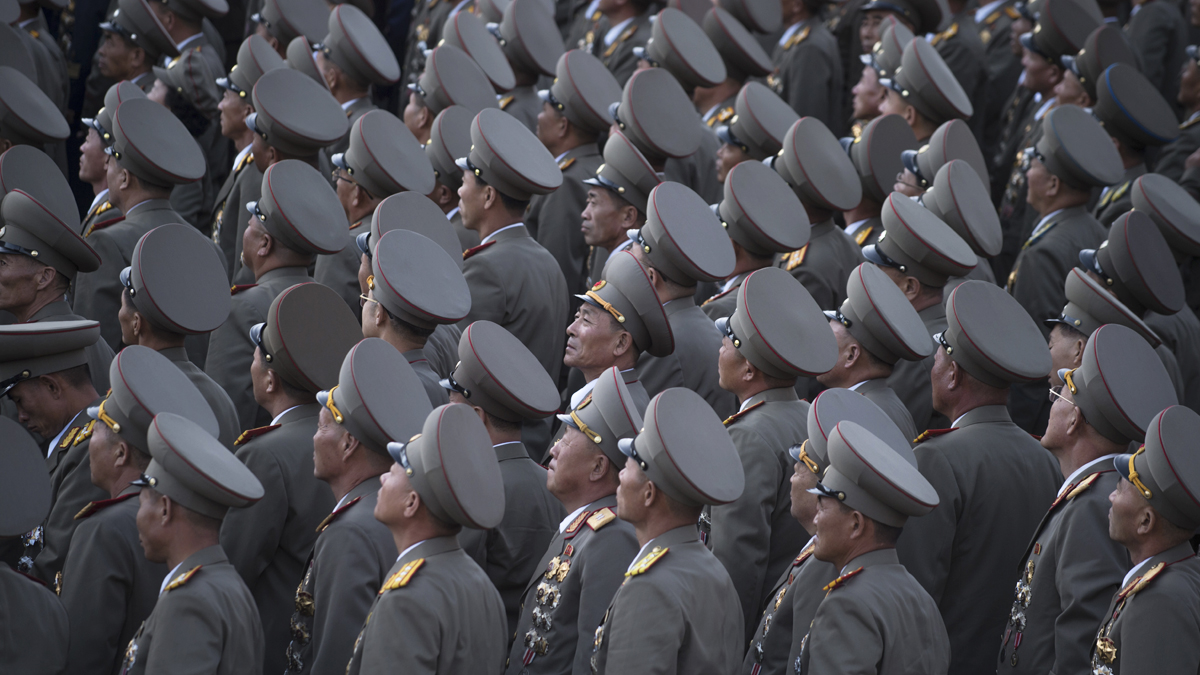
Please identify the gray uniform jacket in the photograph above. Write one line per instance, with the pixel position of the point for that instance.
(99, 355)
(516, 283)
(270, 541)
(424, 32)
(510, 552)
(1037, 278)
(204, 622)
(1069, 572)
(910, 379)
(878, 392)
(437, 613)
(1116, 200)
(570, 590)
(964, 551)
(876, 619)
(98, 294)
(50, 62)
(357, 109)
(808, 74)
(962, 49)
(676, 612)
(35, 626)
(1180, 332)
(441, 350)
(71, 490)
(1159, 34)
(429, 379)
(348, 565)
(103, 213)
(1154, 626)
(229, 214)
(339, 271)
(724, 304)
(698, 170)
(468, 239)
(755, 536)
(1002, 69)
(1171, 159)
(109, 588)
(824, 264)
(218, 400)
(524, 104)
(618, 56)
(230, 350)
(554, 219)
(693, 364)
(791, 605)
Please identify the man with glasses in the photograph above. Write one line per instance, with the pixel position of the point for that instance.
(297, 218)
(297, 353)
(1071, 568)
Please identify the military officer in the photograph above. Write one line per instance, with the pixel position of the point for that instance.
(32, 614)
(920, 17)
(774, 336)
(574, 112)
(450, 138)
(880, 61)
(184, 21)
(681, 244)
(763, 217)
(451, 78)
(151, 152)
(744, 58)
(205, 616)
(532, 46)
(102, 213)
(876, 616)
(293, 118)
(1153, 607)
(382, 159)
(513, 280)
(808, 66)
(255, 57)
(952, 140)
(40, 249)
(819, 172)
(616, 202)
(351, 58)
(961, 47)
(297, 218)
(989, 343)
(414, 287)
(410, 211)
(753, 129)
(560, 611)
(924, 91)
(875, 153)
(281, 21)
(1071, 568)
(298, 352)
(28, 116)
(46, 376)
(51, 64)
(677, 610)
(625, 26)
(425, 29)
(1002, 67)
(105, 572)
(1105, 46)
(1159, 37)
(876, 327)
(959, 198)
(1134, 265)
(620, 318)
(134, 41)
(436, 612)
(499, 378)
(1172, 160)
(174, 294)
(919, 253)
(378, 399)
(1137, 118)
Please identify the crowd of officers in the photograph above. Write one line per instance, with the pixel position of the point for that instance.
(751, 337)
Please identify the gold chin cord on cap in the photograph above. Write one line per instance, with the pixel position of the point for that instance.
(1067, 377)
(108, 421)
(604, 303)
(1133, 475)
(808, 461)
(337, 414)
(595, 437)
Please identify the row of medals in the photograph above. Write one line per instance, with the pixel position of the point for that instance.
(547, 597)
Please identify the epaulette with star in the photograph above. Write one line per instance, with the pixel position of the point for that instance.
(741, 413)
(1140, 583)
(507, 101)
(336, 512)
(861, 237)
(647, 562)
(250, 434)
(85, 432)
(795, 259)
(182, 579)
(601, 518)
(797, 38)
(841, 581)
(944, 35)
(469, 253)
(932, 433)
(722, 116)
(402, 576)
(566, 164)
(95, 507)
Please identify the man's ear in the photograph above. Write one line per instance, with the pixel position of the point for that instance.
(46, 277)
(122, 453)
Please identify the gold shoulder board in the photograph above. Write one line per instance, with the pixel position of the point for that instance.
(601, 518)
(401, 578)
(183, 578)
(647, 562)
(1083, 485)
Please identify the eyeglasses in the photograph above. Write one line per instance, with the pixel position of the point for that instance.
(336, 175)
(363, 299)
(1055, 392)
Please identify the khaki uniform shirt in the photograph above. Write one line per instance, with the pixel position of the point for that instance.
(724, 303)
(270, 541)
(676, 612)
(524, 104)
(698, 170)
(964, 551)
(429, 379)
(693, 364)
(436, 613)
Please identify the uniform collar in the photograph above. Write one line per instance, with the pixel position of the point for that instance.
(614, 32)
(1086, 469)
(493, 235)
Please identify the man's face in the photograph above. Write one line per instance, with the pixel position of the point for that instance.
(412, 115)
(571, 462)
(630, 502)
(549, 123)
(394, 492)
(370, 313)
(116, 56)
(1189, 83)
(158, 93)
(102, 448)
(1128, 510)
(327, 446)
(364, 271)
(253, 238)
(91, 159)
(234, 110)
(37, 409)
(125, 318)
(149, 525)
(258, 147)
(1041, 182)
(1194, 12)
(730, 365)
(729, 156)
(868, 32)
(1069, 91)
(591, 339)
(258, 376)
(834, 525)
(18, 280)
(938, 375)
(869, 95)
(345, 190)
(844, 342)
(1062, 412)
(804, 503)
(602, 222)
(1040, 74)
(1063, 353)
(893, 103)
(471, 198)
(112, 174)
